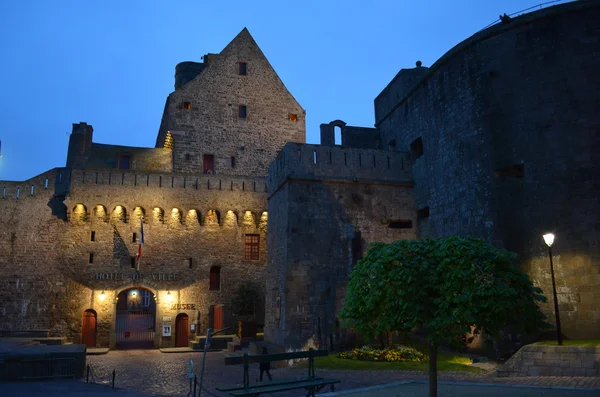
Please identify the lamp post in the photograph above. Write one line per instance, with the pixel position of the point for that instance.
(549, 239)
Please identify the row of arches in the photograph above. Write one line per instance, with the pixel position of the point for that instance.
(157, 215)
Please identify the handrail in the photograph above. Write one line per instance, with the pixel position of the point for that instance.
(496, 21)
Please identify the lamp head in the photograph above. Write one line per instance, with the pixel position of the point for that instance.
(549, 239)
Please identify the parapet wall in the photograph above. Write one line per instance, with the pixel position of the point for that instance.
(536, 360)
(306, 161)
(167, 180)
(54, 181)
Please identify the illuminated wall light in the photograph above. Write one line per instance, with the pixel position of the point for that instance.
(102, 295)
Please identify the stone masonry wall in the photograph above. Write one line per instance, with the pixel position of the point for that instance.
(535, 360)
(212, 124)
(322, 223)
(50, 281)
(142, 159)
(506, 121)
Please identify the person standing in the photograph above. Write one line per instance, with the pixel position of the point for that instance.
(265, 367)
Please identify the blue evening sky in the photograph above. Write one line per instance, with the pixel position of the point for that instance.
(111, 63)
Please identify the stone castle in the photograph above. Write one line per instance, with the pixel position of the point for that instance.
(498, 139)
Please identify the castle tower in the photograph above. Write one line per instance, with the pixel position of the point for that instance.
(80, 144)
(231, 114)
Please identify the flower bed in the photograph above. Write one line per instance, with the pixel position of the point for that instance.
(396, 353)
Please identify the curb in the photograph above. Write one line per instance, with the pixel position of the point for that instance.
(400, 383)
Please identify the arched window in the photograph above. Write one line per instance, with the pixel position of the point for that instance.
(215, 278)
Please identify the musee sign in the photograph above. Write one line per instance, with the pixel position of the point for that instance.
(135, 276)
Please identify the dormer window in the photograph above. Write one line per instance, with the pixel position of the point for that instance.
(242, 69)
(124, 161)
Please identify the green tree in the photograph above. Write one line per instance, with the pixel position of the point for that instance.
(443, 286)
(245, 299)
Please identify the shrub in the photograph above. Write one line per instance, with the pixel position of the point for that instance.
(396, 353)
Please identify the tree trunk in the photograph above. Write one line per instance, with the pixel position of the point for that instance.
(433, 350)
(390, 339)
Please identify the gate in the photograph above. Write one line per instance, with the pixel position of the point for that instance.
(135, 330)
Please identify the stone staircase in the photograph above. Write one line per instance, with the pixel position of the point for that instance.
(243, 343)
(218, 342)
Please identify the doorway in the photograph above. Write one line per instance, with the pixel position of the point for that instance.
(89, 328)
(136, 310)
(182, 324)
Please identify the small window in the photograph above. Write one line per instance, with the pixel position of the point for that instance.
(134, 238)
(400, 224)
(189, 263)
(91, 260)
(242, 69)
(252, 251)
(187, 105)
(423, 213)
(293, 117)
(232, 162)
(392, 143)
(215, 278)
(124, 162)
(188, 157)
(93, 236)
(208, 164)
(132, 262)
(416, 148)
(145, 298)
(511, 171)
(357, 247)
(242, 111)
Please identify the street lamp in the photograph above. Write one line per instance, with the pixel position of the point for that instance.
(549, 239)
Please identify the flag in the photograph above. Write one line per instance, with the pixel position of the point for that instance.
(139, 255)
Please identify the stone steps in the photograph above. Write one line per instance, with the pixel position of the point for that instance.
(219, 342)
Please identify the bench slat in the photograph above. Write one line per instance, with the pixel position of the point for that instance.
(263, 358)
(272, 383)
(283, 387)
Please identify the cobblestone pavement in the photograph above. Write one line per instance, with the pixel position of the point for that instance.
(152, 372)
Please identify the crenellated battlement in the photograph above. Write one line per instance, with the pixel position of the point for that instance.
(166, 180)
(50, 182)
(309, 161)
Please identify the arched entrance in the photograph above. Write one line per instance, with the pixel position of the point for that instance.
(182, 324)
(136, 314)
(89, 328)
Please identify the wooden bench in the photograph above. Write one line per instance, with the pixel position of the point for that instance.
(311, 383)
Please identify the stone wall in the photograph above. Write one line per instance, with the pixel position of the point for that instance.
(212, 125)
(499, 130)
(535, 360)
(141, 159)
(49, 281)
(324, 220)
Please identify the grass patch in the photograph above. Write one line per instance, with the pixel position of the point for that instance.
(581, 343)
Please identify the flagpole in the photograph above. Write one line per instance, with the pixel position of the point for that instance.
(139, 256)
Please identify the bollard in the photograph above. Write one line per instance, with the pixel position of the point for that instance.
(113, 382)
(87, 376)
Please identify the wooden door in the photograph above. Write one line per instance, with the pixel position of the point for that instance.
(218, 317)
(181, 329)
(88, 329)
